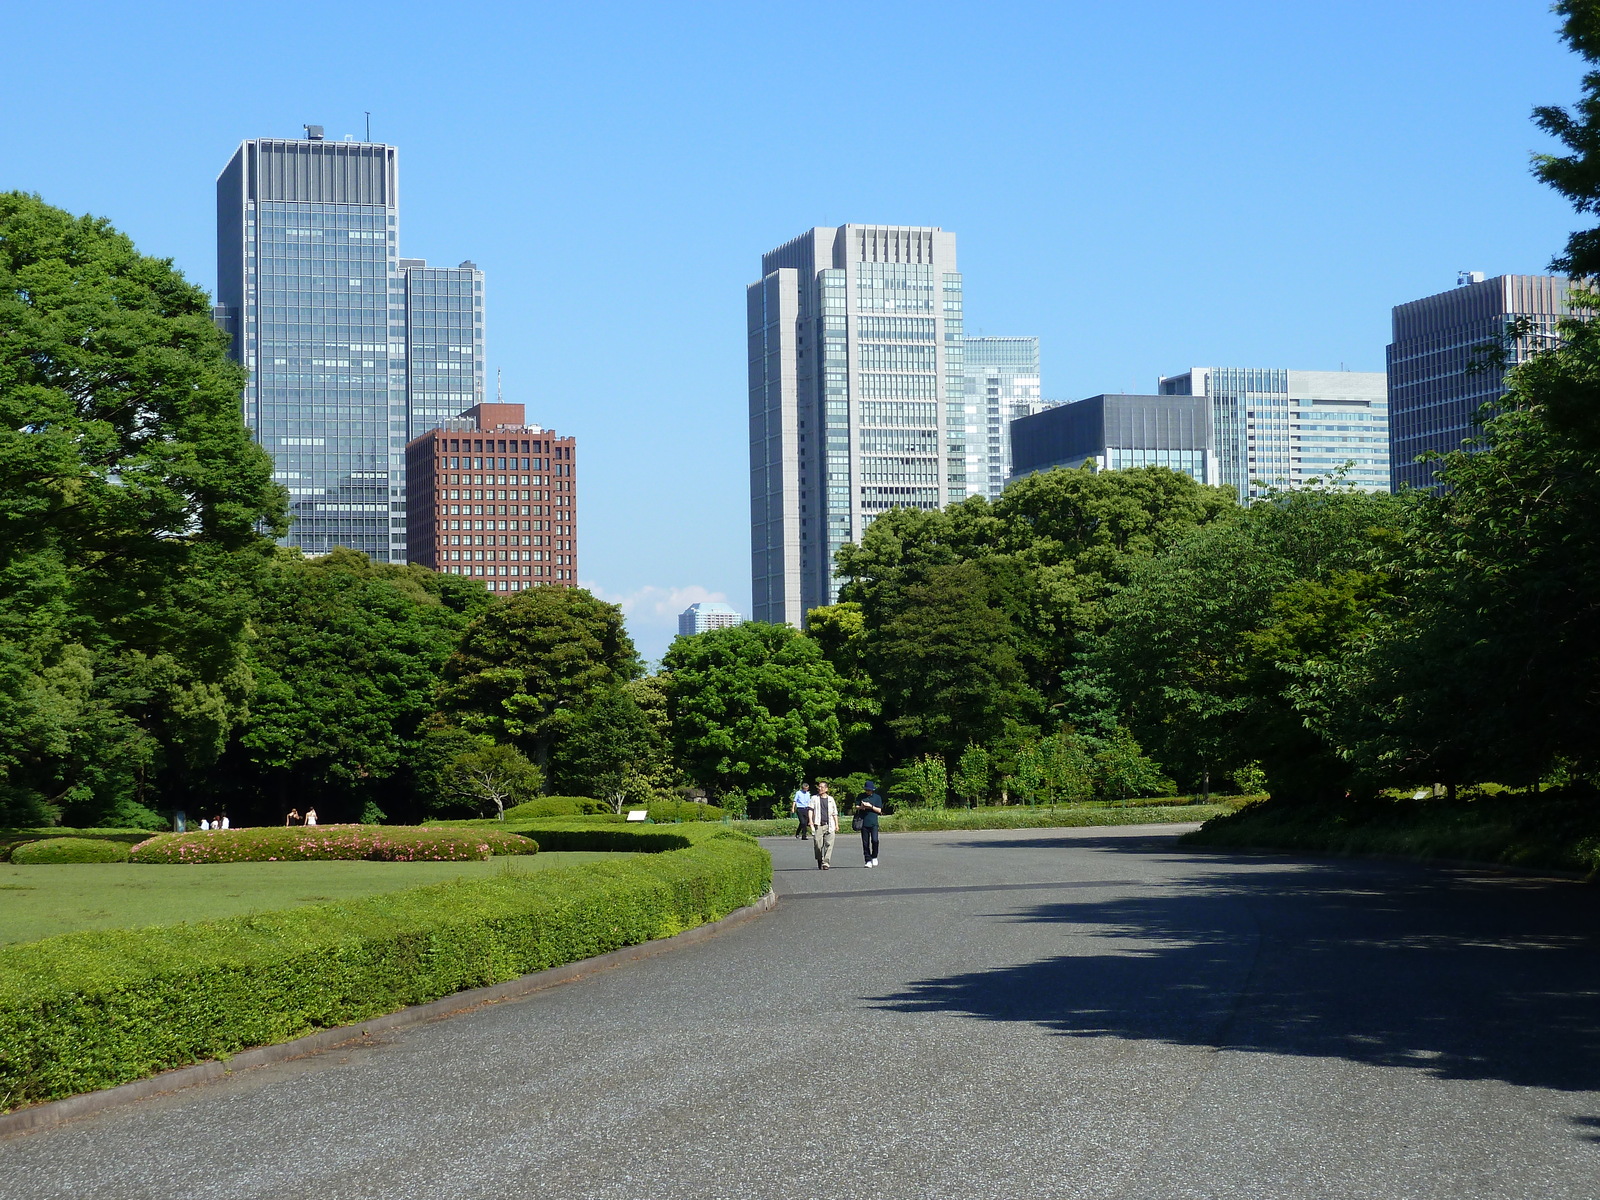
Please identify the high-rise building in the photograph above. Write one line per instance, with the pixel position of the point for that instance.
(708, 614)
(1439, 375)
(444, 341)
(494, 497)
(857, 399)
(1278, 428)
(327, 318)
(1117, 431)
(1002, 384)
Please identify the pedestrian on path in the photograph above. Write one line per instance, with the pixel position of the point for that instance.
(869, 807)
(824, 824)
(800, 805)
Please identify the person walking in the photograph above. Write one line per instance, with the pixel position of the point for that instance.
(869, 807)
(800, 805)
(824, 825)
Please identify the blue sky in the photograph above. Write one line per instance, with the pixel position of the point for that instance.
(1145, 185)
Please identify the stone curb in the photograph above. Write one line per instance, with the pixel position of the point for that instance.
(54, 1112)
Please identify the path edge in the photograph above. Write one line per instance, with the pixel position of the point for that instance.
(55, 1112)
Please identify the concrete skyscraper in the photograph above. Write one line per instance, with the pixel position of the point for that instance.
(1275, 427)
(322, 312)
(1002, 385)
(857, 398)
(1437, 377)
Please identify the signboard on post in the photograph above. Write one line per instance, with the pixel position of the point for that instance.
(637, 814)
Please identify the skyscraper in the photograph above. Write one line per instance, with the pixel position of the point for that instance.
(1438, 378)
(351, 349)
(707, 615)
(444, 341)
(1275, 427)
(1002, 384)
(857, 398)
(1118, 431)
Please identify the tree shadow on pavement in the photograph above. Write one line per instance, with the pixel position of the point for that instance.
(1460, 975)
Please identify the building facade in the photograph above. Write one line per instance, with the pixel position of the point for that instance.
(857, 398)
(1002, 385)
(1438, 375)
(495, 498)
(1117, 431)
(1273, 427)
(327, 318)
(708, 614)
(444, 341)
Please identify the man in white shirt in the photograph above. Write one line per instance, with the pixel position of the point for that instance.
(800, 806)
(824, 824)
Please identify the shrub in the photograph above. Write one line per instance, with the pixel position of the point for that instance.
(556, 806)
(95, 1009)
(684, 810)
(379, 843)
(69, 850)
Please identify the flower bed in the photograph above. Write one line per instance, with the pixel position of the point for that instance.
(377, 843)
(91, 1010)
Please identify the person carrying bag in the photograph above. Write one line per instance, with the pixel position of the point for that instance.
(869, 807)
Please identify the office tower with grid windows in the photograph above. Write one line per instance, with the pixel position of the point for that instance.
(444, 341)
(857, 398)
(322, 311)
(1439, 376)
(706, 616)
(1002, 385)
(495, 498)
(1278, 428)
(1113, 432)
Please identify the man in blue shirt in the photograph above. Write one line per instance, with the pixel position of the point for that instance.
(801, 807)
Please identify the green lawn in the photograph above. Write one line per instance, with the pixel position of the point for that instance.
(40, 902)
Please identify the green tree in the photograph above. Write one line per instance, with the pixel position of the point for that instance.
(972, 775)
(1122, 771)
(492, 776)
(923, 781)
(1577, 175)
(608, 742)
(131, 496)
(754, 708)
(528, 665)
(840, 631)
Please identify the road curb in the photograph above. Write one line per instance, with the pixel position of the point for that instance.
(54, 1112)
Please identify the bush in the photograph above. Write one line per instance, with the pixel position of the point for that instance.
(69, 850)
(95, 1009)
(377, 843)
(683, 810)
(556, 806)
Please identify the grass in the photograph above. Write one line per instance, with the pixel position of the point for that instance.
(42, 901)
(1144, 812)
(1559, 831)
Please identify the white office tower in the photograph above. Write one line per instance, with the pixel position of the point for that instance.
(708, 614)
(1273, 427)
(1002, 386)
(857, 399)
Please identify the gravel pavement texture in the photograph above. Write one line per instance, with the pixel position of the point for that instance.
(1041, 1013)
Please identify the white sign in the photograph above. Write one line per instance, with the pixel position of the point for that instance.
(637, 814)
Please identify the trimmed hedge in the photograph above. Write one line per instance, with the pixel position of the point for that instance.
(922, 820)
(297, 843)
(556, 806)
(69, 850)
(91, 1010)
(664, 811)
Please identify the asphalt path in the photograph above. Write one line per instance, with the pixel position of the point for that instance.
(1044, 1013)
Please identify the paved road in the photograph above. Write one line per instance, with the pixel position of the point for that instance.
(1084, 1013)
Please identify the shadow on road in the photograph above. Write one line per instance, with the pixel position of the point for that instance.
(1462, 977)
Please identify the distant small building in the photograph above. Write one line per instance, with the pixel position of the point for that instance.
(1116, 431)
(698, 618)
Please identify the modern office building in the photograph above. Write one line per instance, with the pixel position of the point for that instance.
(1272, 427)
(1438, 375)
(1002, 384)
(322, 312)
(1117, 431)
(444, 341)
(857, 398)
(494, 497)
(708, 614)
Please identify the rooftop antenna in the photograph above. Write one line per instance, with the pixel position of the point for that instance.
(499, 392)
(369, 126)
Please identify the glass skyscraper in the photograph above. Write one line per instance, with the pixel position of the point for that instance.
(322, 311)
(1277, 428)
(1002, 385)
(1114, 432)
(857, 399)
(1437, 379)
(444, 341)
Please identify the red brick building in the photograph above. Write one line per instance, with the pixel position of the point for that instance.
(490, 496)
